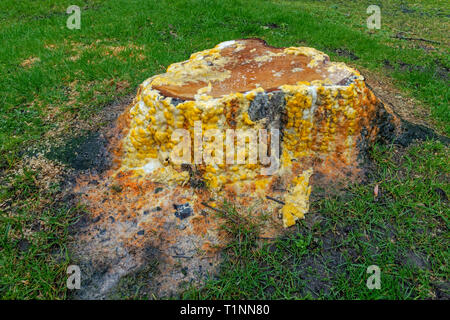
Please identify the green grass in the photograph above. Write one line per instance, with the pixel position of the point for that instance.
(33, 256)
(405, 232)
(72, 74)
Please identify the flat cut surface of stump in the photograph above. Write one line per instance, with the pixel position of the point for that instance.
(243, 65)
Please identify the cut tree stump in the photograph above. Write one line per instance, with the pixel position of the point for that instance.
(325, 115)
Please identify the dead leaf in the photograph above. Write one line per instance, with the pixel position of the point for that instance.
(27, 63)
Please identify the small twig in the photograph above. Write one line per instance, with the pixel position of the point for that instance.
(212, 208)
(397, 36)
(275, 199)
(181, 256)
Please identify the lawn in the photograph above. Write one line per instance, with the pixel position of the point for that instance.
(56, 82)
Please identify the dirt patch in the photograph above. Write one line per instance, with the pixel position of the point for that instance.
(407, 108)
(415, 260)
(346, 53)
(271, 26)
(442, 290)
(83, 153)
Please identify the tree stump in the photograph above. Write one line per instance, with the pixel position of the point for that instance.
(324, 115)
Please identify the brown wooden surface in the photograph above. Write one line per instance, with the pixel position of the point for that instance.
(247, 73)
